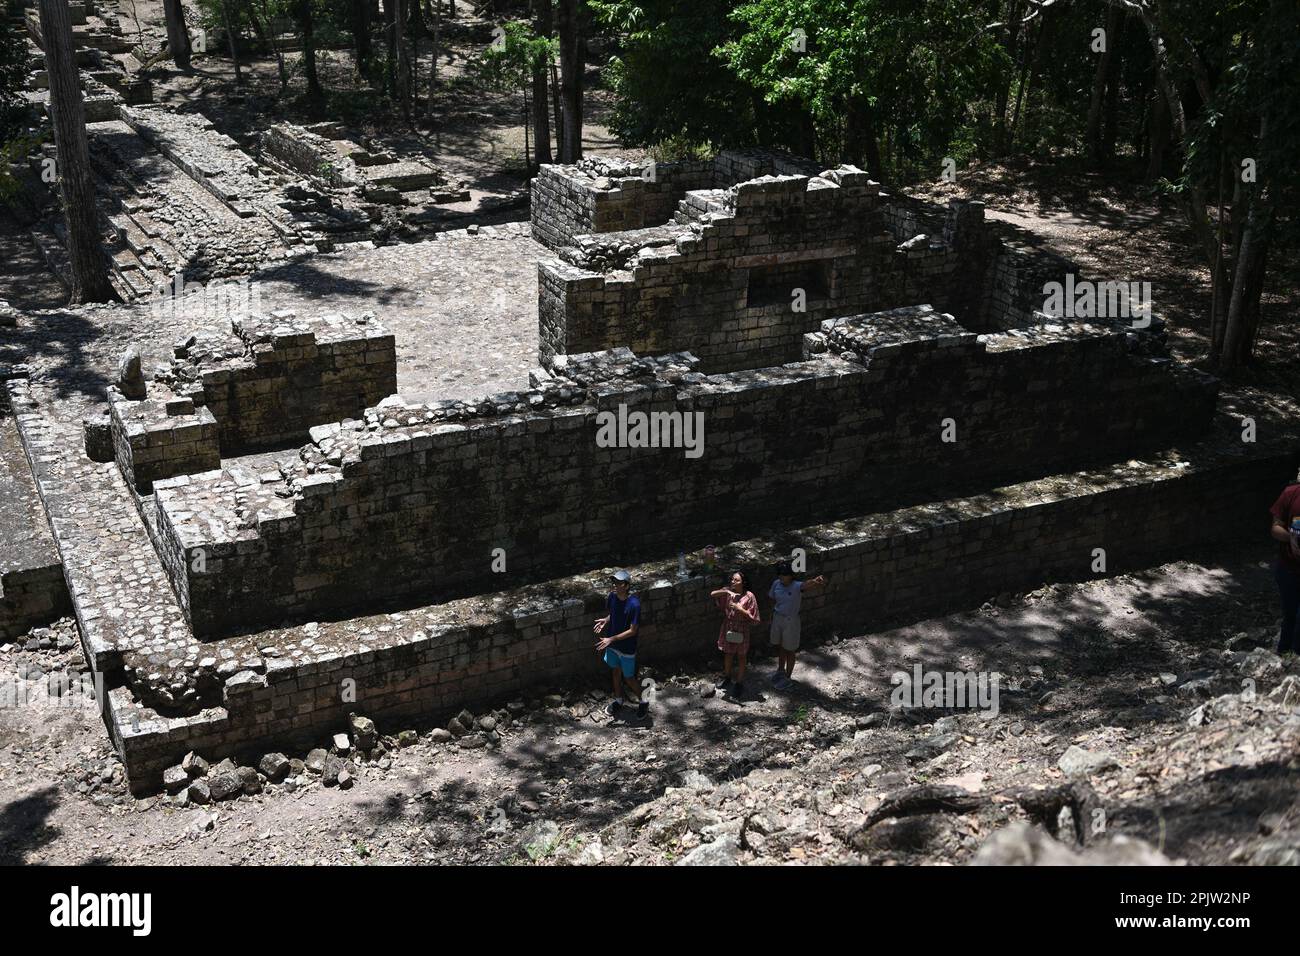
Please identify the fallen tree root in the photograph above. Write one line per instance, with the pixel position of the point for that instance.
(927, 798)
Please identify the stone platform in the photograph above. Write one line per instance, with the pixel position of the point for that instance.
(32, 591)
(243, 605)
(296, 683)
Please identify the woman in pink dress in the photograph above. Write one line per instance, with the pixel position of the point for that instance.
(740, 612)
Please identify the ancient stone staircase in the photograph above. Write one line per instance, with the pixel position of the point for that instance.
(699, 202)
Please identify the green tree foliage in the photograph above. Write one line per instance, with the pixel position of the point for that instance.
(894, 76)
(508, 63)
(1183, 91)
(669, 83)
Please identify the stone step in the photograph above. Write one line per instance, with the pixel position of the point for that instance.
(698, 202)
(49, 244)
(402, 176)
(427, 661)
(32, 591)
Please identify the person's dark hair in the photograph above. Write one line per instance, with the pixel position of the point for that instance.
(784, 568)
(744, 578)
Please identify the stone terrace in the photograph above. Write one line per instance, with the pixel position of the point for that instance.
(32, 591)
(1068, 433)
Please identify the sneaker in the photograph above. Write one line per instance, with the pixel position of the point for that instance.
(738, 689)
(777, 676)
(612, 708)
(723, 683)
(642, 709)
(782, 682)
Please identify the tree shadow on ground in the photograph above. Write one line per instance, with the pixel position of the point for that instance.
(1100, 666)
(25, 826)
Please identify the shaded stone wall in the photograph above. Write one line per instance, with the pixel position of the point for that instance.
(412, 502)
(264, 384)
(30, 598)
(722, 287)
(884, 568)
(277, 375)
(161, 436)
(32, 591)
(601, 194)
(717, 277)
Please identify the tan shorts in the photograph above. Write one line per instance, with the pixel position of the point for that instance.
(784, 631)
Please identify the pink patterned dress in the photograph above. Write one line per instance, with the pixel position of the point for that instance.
(733, 620)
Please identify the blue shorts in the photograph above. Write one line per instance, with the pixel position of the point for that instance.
(626, 661)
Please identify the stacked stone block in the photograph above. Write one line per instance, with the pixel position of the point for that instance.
(885, 568)
(161, 436)
(413, 501)
(276, 375)
(725, 288)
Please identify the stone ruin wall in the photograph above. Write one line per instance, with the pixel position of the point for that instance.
(405, 504)
(412, 502)
(600, 194)
(275, 376)
(722, 289)
(715, 278)
(887, 568)
(263, 384)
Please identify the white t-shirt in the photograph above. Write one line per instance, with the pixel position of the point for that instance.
(787, 599)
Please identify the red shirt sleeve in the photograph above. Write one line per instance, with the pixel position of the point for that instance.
(1284, 508)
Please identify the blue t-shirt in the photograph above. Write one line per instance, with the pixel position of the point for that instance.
(786, 600)
(622, 615)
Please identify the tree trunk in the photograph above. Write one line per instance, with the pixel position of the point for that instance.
(359, 20)
(1254, 292)
(433, 57)
(178, 38)
(543, 25)
(390, 41)
(403, 91)
(1004, 89)
(1248, 280)
(1028, 55)
(573, 57)
(1234, 334)
(860, 138)
(76, 186)
(230, 38)
(1100, 79)
(1157, 136)
(415, 26)
(557, 112)
(307, 27)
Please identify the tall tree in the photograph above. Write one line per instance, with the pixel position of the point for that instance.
(392, 30)
(571, 16)
(1227, 77)
(90, 282)
(178, 38)
(1102, 79)
(544, 23)
(359, 22)
(305, 14)
(402, 88)
(230, 20)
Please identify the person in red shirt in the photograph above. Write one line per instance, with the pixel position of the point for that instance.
(739, 612)
(1286, 570)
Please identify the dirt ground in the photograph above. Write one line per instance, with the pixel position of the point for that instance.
(1116, 666)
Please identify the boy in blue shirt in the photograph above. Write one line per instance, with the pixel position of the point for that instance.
(618, 630)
